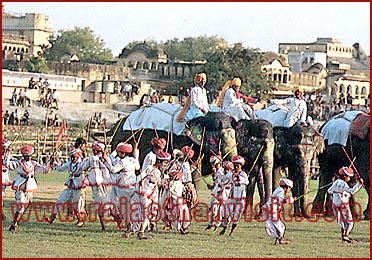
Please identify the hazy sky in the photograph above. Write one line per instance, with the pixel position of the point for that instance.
(255, 24)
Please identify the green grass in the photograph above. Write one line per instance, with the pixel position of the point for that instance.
(309, 240)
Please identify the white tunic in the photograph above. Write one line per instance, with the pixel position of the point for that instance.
(233, 106)
(297, 110)
(198, 102)
(341, 191)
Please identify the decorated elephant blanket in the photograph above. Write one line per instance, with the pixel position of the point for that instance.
(337, 129)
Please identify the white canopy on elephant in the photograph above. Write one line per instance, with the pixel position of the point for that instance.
(337, 129)
(161, 116)
(275, 114)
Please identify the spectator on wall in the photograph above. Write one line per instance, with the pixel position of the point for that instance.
(31, 83)
(13, 100)
(6, 116)
(55, 99)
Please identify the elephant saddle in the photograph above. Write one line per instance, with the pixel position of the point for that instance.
(360, 126)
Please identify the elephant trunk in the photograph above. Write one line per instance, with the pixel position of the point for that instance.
(267, 167)
(229, 147)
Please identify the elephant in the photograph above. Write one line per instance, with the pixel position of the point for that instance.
(295, 148)
(213, 133)
(337, 155)
(256, 145)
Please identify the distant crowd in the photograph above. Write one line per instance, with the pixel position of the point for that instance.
(16, 117)
(126, 90)
(47, 98)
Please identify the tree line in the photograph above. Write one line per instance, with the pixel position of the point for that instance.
(223, 61)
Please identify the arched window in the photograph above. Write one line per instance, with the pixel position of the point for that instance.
(363, 92)
(145, 65)
(342, 88)
(285, 77)
(349, 89)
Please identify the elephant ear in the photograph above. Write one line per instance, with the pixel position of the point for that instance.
(194, 132)
(212, 122)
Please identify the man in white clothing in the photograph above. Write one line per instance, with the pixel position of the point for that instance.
(273, 209)
(234, 106)
(197, 103)
(123, 175)
(341, 193)
(297, 108)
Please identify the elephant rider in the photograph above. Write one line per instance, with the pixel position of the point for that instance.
(5, 176)
(147, 189)
(341, 193)
(222, 175)
(123, 176)
(74, 183)
(236, 201)
(157, 144)
(25, 183)
(297, 108)
(272, 211)
(197, 102)
(98, 178)
(232, 104)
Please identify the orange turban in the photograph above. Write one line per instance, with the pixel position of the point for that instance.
(200, 76)
(236, 82)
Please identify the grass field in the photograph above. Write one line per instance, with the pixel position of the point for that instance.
(319, 239)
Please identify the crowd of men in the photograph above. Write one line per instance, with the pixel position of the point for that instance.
(46, 96)
(16, 117)
(163, 185)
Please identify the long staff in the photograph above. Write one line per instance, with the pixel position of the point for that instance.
(88, 130)
(156, 132)
(352, 163)
(131, 130)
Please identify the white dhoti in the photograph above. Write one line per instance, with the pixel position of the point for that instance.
(274, 226)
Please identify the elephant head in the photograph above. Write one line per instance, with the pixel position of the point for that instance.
(216, 135)
(256, 145)
(295, 148)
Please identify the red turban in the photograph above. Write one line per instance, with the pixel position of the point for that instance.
(238, 159)
(159, 142)
(163, 156)
(188, 151)
(124, 148)
(27, 150)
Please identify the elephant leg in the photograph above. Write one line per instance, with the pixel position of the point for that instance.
(250, 192)
(297, 187)
(366, 211)
(267, 166)
(325, 178)
(260, 186)
(277, 173)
